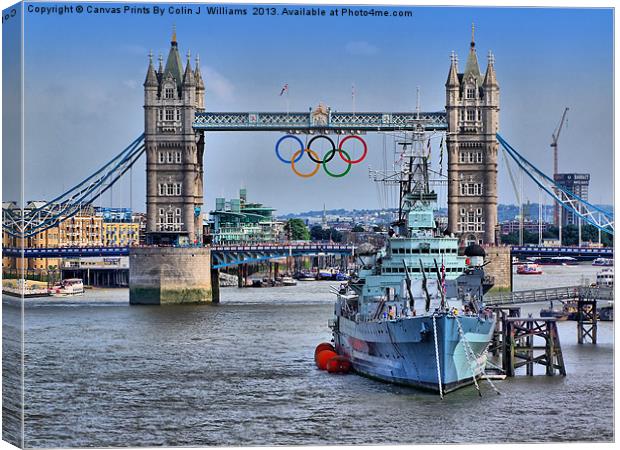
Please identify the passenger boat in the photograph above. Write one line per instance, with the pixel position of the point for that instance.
(605, 278)
(67, 288)
(603, 262)
(529, 269)
(24, 288)
(413, 314)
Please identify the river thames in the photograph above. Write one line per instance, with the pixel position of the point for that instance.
(100, 373)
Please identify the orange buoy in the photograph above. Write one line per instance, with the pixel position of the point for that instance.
(323, 346)
(323, 357)
(338, 364)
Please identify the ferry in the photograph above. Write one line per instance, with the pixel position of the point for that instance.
(603, 262)
(67, 288)
(529, 269)
(605, 278)
(413, 313)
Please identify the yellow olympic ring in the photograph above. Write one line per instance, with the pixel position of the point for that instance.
(305, 175)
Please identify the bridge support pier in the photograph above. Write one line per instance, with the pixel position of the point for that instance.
(587, 321)
(215, 285)
(170, 275)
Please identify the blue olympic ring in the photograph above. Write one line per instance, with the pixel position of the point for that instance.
(301, 148)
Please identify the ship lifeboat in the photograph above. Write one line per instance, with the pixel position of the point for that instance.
(323, 358)
(323, 346)
(338, 364)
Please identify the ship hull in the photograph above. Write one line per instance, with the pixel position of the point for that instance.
(403, 351)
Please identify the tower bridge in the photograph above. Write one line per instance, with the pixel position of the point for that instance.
(177, 267)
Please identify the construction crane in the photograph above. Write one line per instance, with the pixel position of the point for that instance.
(554, 145)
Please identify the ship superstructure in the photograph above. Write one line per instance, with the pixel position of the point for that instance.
(413, 312)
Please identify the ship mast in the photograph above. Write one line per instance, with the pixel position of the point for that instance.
(412, 175)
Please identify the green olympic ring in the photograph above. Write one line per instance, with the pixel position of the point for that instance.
(328, 156)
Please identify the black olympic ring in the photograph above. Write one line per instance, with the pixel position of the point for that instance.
(331, 152)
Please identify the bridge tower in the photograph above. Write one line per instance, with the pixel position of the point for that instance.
(472, 109)
(174, 173)
(174, 151)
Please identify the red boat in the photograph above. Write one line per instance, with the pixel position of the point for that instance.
(529, 269)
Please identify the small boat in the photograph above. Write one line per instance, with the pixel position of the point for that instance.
(68, 288)
(558, 314)
(603, 262)
(289, 281)
(529, 269)
(605, 278)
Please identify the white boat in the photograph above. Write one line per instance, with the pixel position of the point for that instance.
(605, 278)
(68, 288)
(603, 262)
(289, 281)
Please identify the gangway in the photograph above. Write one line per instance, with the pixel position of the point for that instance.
(549, 295)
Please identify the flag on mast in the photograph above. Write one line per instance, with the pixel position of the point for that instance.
(284, 89)
(428, 147)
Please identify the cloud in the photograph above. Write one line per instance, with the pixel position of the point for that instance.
(361, 48)
(217, 84)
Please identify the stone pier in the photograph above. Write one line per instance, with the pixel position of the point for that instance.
(499, 266)
(170, 275)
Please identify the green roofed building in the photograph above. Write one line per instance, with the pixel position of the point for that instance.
(239, 222)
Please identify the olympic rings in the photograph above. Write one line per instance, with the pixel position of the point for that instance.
(314, 157)
(341, 151)
(332, 155)
(295, 159)
(301, 146)
(333, 150)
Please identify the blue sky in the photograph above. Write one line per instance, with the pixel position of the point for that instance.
(84, 94)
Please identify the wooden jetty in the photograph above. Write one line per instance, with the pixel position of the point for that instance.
(586, 297)
(522, 347)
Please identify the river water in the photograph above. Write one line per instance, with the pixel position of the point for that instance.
(101, 373)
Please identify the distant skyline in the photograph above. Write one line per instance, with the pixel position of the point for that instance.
(84, 94)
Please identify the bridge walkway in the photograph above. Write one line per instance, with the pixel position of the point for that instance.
(550, 294)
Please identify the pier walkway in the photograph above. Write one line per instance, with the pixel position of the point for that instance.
(550, 294)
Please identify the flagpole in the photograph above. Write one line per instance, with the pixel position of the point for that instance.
(353, 96)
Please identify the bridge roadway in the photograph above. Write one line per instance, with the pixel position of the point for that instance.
(575, 252)
(221, 255)
(549, 295)
(318, 121)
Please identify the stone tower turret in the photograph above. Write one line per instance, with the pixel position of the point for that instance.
(174, 163)
(472, 110)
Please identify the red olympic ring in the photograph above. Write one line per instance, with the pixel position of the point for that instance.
(346, 159)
